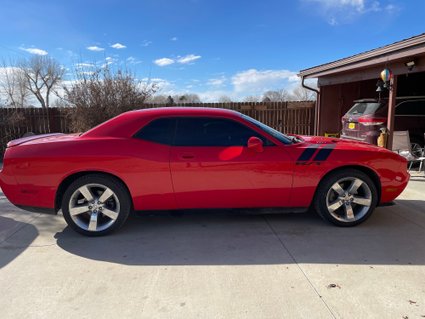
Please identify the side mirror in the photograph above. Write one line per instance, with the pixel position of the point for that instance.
(255, 144)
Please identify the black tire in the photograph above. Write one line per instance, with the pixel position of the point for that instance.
(343, 216)
(117, 205)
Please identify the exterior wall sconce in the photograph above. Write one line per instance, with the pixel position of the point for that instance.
(379, 88)
(410, 65)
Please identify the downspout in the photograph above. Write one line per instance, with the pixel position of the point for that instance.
(317, 114)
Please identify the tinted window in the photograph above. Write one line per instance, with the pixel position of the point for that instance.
(158, 131)
(276, 134)
(411, 108)
(363, 108)
(213, 132)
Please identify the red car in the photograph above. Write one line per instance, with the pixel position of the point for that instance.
(182, 158)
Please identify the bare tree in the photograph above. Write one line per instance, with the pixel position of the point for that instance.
(12, 84)
(170, 100)
(187, 98)
(42, 76)
(158, 99)
(302, 94)
(251, 98)
(276, 96)
(101, 94)
(224, 99)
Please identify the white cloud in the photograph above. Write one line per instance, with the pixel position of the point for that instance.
(174, 39)
(146, 43)
(35, 51)
(180, 59)
(217, 82)
(358, 5)
(332, 21)
(215, 95)
(84, 65)
(8, 70)
(86, 72)
(338, 12)
(391, 8)
(162, 84)
(256, 82)
(95, 48)
(188, 58)
(250, 82)
(133, 60)
(163, 61)
(118, 46)
(108, 61)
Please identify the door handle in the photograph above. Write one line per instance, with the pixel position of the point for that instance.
(187, 156)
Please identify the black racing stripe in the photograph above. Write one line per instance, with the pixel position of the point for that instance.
(324, 153)
(308, 153)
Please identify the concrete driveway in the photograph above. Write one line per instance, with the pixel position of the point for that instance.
(217, 264)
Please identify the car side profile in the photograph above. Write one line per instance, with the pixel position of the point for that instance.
(184, 158)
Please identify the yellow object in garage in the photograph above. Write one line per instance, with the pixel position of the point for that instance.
(383, 137)
(331, 134)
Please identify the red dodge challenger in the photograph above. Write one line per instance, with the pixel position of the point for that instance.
(183, 158)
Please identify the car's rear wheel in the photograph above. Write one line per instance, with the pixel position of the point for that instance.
(96, 205)
(346, 198)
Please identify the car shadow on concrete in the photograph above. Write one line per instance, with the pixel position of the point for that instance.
(228, 237)
(10, 250)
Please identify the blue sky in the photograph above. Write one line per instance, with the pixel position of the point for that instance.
(212, 48)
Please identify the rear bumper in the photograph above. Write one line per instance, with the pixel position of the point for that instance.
(370, 137)
(347, 137)
(27, 196)
(391, 190)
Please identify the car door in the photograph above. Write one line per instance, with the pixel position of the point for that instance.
(150, 165)
(212, 167)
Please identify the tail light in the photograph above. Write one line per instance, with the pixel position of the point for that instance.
(369, 121)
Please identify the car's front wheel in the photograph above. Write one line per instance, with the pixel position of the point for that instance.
(346, 198)
(96, 205)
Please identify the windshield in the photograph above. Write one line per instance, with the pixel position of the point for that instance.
(364, 108)
(276, 134)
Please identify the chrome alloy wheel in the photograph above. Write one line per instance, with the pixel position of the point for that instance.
(349, 199)
(94, 207)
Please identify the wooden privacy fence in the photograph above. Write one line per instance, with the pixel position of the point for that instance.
(286, 117)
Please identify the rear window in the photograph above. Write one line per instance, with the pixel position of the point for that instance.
(159, 131)
(364, 108)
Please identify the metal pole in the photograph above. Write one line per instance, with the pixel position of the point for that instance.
(391, 110)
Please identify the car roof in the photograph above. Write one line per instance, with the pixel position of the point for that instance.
(366, 100)
(127, 123)
(385, 99)
(185, 110)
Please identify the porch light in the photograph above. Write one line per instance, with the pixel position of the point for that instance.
(410, 65)
(379, 86)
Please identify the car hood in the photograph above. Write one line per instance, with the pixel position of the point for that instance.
(341, 144)
(354, 148)
(333, 140)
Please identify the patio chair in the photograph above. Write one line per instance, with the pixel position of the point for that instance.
(401, 145)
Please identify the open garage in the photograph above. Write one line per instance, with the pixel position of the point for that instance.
(344, 81)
